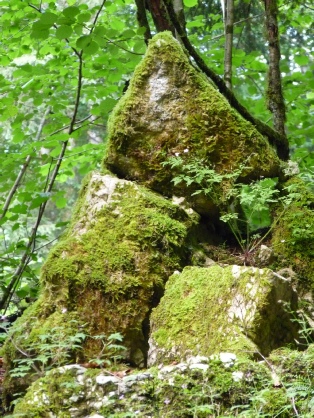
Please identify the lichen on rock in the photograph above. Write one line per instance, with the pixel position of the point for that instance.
(171, 109)
(233, 308)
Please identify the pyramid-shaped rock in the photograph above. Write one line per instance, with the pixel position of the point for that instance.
(170, 109)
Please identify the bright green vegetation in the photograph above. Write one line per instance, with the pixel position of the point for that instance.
(293, 237)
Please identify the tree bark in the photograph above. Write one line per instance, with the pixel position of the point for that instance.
(229, 18)
(160, 16)
(275, 99)
(142, 19)
(179, 10)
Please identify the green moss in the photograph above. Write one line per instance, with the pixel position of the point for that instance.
(170, 108)
(208, 310)
(183, 318)
(247, 388)
(56, 389)
(107, 271)
(293, 234)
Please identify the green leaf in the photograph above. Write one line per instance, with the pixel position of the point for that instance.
(83, 41)
(71, 11)
(301, 59)
(91, 48)
(84, 17)
(40, 34)
(48, 19)
(190, 3)
(61, 202)
(64, 32)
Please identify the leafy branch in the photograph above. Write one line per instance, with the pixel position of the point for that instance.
(30, 247)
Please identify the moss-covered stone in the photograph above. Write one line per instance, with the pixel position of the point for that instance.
(209, 310)
(171, 109)
(200, 387)
(293, 233)
(107, 271)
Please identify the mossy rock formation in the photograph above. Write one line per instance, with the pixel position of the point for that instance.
(108, 270)
(209, 310)
(293, 235)
(200, 387)
(171, 109)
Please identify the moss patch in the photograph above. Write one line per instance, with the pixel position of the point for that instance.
(209, 310)
(293, 234)
(169, 109)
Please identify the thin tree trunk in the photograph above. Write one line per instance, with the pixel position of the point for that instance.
(160, 16)
(275, 100)
(179, 10)
(229, 19)
(142, 19)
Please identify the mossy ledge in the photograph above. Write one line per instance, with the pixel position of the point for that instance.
(221, 386)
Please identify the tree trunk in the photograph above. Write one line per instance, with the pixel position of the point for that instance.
(275, 100)
(228, 20)
(179, 10)
(160, 16)
(142, 19)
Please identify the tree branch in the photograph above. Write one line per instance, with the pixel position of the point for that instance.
(30, 248)
(142, 19)
(24, 167)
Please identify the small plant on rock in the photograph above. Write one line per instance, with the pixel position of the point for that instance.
(245, 208)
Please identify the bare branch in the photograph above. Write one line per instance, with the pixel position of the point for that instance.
(229, 17)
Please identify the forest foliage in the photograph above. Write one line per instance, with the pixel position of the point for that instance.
(63, 67)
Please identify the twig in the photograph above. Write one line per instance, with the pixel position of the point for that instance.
(121, 47)
(67, 126)
(24, 168)
(97, 16)
(45, 245)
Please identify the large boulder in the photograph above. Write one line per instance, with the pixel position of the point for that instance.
(170, 109)
(105, 275)
(204, 311)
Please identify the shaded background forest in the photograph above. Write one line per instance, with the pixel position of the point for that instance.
(64, 65)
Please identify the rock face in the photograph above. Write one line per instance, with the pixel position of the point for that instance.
(293, 236)
(171, 109)
(201, 387)
(108, 270)
(234, 308)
